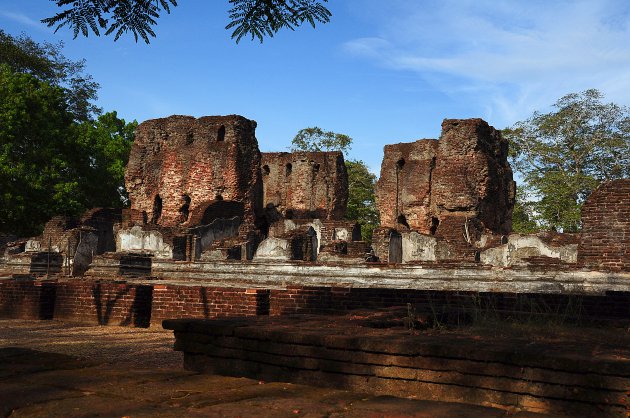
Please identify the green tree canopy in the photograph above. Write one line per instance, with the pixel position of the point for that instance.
(47, 63)
(54, 158)
(316, 139)
(104, 145)
(361, 198)
(35, 180)
(565, 154)
(361, 183)
(255, 18)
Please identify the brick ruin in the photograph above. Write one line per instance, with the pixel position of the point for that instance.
(200, 190)
(305, 195)
(457, 189)
(208, 211)
(304, 185)
(184, 171)
(195, 189)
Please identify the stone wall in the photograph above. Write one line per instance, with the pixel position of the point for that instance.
(303, 185)
(462, 182)
(605, 241)
(184, 171)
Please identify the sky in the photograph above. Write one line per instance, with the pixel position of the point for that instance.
(382, 72)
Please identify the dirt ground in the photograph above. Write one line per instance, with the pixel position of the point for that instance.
(51, 368)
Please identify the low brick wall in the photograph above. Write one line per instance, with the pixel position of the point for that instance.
(122, 303)
(172, 301)
(145, 303)
(27, 298)
(538, 377)
(103, 303)
(341, 300)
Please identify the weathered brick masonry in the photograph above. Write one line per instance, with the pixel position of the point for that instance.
(341, 300)
(302, 185)
(107, 302)
(435, 187)
(605, 239)
(27, 298)
(187, 171)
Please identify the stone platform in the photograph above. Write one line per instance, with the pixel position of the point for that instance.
(380, 354)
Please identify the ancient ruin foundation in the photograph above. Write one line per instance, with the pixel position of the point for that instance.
(197, 242)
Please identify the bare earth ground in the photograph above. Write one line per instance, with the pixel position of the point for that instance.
(51, 368)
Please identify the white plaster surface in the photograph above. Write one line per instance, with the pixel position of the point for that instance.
(273, 249)
(519, 247)
(418, 247)
(136, 239)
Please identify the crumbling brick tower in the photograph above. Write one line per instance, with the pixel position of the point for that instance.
(185, 172)
(305, 185)
(457, 186)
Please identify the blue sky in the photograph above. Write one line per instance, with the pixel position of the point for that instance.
(381, 71)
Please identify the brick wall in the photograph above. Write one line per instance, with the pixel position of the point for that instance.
(142, 305)
(464, 174)
(103, 303)
(181, 167)
(340, 300)
(303, 185)
(117, 303)
(27, 299)
(207, 302)
(605, 241)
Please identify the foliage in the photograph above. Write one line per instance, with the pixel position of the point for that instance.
(316, 139)
(136, 16)
(523, 218)
(361, 183)
(47, 63)
(35, 126)
(361, 199)
(565, 154)
(255, 18)
(53, 158)
(105, 145)
(258, 18)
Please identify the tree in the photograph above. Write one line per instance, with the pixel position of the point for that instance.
(35, 126)
(255, 18)
(361, 198)
(104, 145)
(47, 63)
(565, 154)
(54, 159)
(361, 183)
(522, 217)
(316, 139)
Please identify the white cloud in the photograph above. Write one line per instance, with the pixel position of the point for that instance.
(21, 19)
(511, 57)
